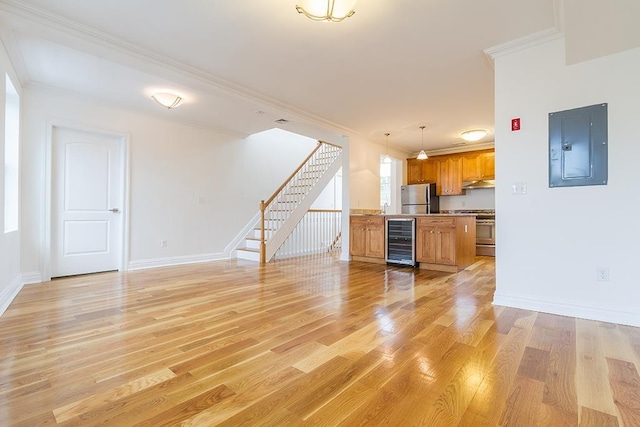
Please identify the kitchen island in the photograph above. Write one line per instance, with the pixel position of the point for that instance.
(443, 242)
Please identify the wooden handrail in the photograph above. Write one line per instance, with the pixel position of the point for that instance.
(329, 143)
(274, 195)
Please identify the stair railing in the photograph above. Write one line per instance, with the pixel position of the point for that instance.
(277, 217)
(319, 231)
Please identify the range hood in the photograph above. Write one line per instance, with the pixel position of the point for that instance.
(481, 183)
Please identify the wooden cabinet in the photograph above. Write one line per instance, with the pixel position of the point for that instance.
(449, 175)
(366, 237)
(421, 171)
(448, 171)
(478, 165)
(445, 243)
(488, 165)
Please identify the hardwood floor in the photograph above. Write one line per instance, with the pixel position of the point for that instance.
(312, 341)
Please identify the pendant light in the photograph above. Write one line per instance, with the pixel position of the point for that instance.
(387, 159)
(422, 155)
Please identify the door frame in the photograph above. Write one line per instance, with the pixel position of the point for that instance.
(47, 226)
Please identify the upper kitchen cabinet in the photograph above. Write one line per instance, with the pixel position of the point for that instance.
(449, 175)
(421, 171)
(478, 165)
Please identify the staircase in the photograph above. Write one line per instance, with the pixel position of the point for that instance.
(280, 214)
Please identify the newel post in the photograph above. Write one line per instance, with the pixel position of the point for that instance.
(263, 245)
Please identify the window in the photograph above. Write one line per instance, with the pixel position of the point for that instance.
(11, 157)
(385, 184)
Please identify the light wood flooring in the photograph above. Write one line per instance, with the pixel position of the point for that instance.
(311, 341)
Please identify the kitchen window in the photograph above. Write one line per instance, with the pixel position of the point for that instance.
(390, 181)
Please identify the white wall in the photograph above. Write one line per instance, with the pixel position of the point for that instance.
(172, 166)
(364, 169)
(551, 240)
(480, 198)
(10, 277)
(331, 196)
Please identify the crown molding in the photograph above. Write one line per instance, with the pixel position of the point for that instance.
(84, 97)
(132, 51)
(462, 148)
(522, 43)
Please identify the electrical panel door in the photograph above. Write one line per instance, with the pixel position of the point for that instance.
(578, 147)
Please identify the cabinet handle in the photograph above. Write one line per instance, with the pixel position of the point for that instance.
(431, 232)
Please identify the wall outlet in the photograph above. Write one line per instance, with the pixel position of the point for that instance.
(201, 200)
(163, 243)
(602, 274)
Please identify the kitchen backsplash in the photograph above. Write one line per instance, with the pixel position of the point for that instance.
(480, 198)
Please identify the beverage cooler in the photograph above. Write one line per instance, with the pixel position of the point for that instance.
(401, 234)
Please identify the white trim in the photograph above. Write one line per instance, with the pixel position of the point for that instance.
(47, 185)
(346, 203)
(178, 260)
(9, 293)
(521, 43)
(121, 51)
(568, 308)
(241, 236)
(463, 148)
(32, 277)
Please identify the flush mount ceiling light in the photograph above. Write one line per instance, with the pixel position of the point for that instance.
(387, 159)
(167, 100)
(473, 135)
(422, 155)
(327, 10)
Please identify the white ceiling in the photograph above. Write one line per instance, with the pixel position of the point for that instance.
(392, 67)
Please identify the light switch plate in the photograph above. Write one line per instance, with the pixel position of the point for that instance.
(519, 188)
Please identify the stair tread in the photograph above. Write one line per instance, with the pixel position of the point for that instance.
(249, 250)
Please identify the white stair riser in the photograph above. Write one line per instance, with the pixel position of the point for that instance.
(252, 244)
(250, 256)
(256, 234)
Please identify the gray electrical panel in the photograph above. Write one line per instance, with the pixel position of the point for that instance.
(578, 147)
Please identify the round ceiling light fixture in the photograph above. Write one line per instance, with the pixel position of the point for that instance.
(327, 10)
(167, 100)
(473, 135)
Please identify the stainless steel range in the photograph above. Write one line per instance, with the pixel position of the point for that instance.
(485, 231)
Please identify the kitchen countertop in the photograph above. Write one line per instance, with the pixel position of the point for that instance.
(416, 215)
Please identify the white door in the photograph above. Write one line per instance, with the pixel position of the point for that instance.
(86, 202)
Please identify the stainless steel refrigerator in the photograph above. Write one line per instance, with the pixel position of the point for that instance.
(419, 199)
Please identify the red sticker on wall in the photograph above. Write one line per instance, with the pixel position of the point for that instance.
(515, 124)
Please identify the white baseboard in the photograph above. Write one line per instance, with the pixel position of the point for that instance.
(567, 308)
(30, 278)
(179, 260)
(8, 294)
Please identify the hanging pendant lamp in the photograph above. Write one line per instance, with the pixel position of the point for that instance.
(422, 155)
(387, 159)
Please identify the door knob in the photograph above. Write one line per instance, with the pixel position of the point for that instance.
(114, 210)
